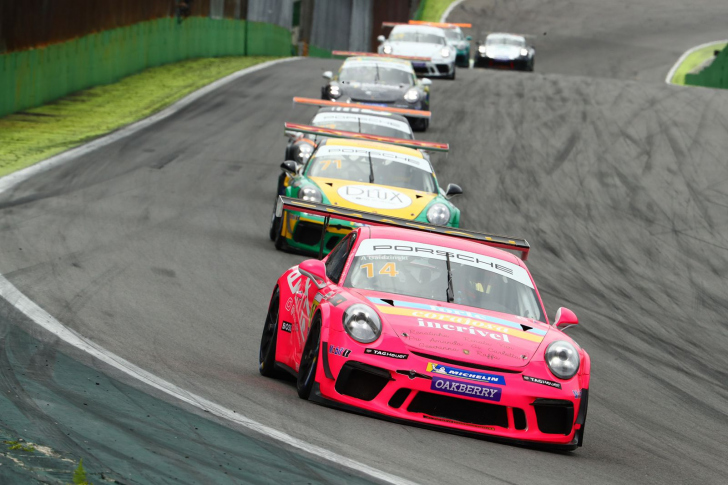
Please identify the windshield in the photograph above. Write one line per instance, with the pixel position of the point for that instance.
(415, 36)
(514, 41)
(420, 270)
(388, 168)
(454, 34)
(371, 125)
(372, 72)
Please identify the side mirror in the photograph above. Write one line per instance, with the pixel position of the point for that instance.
(316, 270)
(328, 75)
(453, 190)
(426, 81)
(469, 38)
(565, 318)
(381, 38)
(290, 167)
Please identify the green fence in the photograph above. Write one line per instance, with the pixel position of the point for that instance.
(34, 77)
(713, 76)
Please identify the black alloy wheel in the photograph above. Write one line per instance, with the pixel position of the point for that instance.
(309, 359)
(267, 355)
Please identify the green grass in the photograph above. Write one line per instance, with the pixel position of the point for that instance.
(30, 136)
(694, 60)
(17, 446)
(433, 9)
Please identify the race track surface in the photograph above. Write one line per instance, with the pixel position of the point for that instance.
(156, 246)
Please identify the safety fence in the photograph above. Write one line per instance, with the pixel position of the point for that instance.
(33, 77)
(713, 76)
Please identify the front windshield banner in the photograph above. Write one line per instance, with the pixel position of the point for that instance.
(331, 152)
(401, 66)
(345, 121)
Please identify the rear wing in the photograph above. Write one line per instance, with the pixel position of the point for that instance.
(368, 218)
(412, 113)
(328, 132)
(372, 54)
(442, 25)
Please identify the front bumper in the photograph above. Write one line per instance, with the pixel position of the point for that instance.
(434, 69)
(488, 62)
(402, 390)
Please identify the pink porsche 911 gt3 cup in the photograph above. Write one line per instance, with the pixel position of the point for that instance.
(431, 326)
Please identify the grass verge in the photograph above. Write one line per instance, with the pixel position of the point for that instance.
(433, 9)
(30, 136)
(695, 59)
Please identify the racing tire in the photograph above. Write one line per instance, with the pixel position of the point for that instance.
(267, 353)
(309, 359)
(421, 124)
(452, 77)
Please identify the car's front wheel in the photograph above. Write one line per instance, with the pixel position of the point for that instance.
(309, 359)
(267, 354)
(421, 124)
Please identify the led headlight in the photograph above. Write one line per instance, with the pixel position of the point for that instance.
(562, 359)
(387, 49)
(362, 323)
(311, 194)
(438, 214)
(412, 95)
(445, 52)
(304, 151)
(334, 91)
(524, 52)
(481, 49)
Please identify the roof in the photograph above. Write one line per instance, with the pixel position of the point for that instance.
(503, 35)
(374, 146)
(383, 232)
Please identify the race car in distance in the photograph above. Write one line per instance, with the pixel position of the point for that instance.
(505, 51)
(421, 41)
(379, 81)
(455, 38)
(385, 178)
(430, 326)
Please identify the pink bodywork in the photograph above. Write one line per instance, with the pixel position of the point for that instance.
(507, 348)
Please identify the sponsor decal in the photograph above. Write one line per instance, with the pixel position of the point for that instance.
(374, 197)
(465, 374)
(386, 353)
(536, 380)
(468, 330)
(452, 421)
(287, 327)
(577, 394)
(464, 389)
(337, 300)
(289, 304)
(337, 151)
(326, 119)
(339, 351)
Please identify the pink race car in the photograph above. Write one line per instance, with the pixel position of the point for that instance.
(431, 326)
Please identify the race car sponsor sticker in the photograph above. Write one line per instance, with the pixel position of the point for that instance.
(334, 151)
(537, 380)
(395, 247)
(464, 389)
(577, 394)
(386, 353)
(287, 327)
(343, 352)
(382, 64)
(465, 374)
(374, 197)
(337, 300)
(325, 119)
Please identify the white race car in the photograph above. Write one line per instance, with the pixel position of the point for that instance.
(421, 41)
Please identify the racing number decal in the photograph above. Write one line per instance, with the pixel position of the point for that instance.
(388, 269)
(326, 163)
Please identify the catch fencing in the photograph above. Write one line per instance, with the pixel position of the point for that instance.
(713, 76)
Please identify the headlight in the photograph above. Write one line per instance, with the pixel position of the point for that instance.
(387, 49)
(562, 359)
(445, 52)
(524, 52)
(438, 214)
(334, 91)
(362, 323)
(481, 49)
(412, 95)
(304, 151)
(311, 194)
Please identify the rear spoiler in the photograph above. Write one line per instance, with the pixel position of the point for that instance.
(328, 132)
(412, 113)
(442, 25)
(386, 56)
(393, 24)
(341, 213)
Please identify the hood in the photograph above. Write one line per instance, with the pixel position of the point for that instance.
(503, 52)
(417, 49)
(385, 93)
(380, 199)
(460, 333)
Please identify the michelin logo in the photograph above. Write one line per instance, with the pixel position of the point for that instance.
(464, 374)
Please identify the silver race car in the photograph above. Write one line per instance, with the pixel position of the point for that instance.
(421, 41)
(505, 51)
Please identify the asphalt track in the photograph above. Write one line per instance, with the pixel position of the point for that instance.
(156, 246)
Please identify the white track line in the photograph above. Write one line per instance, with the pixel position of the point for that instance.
(674, 68)
(26, 306)
(450, 8)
